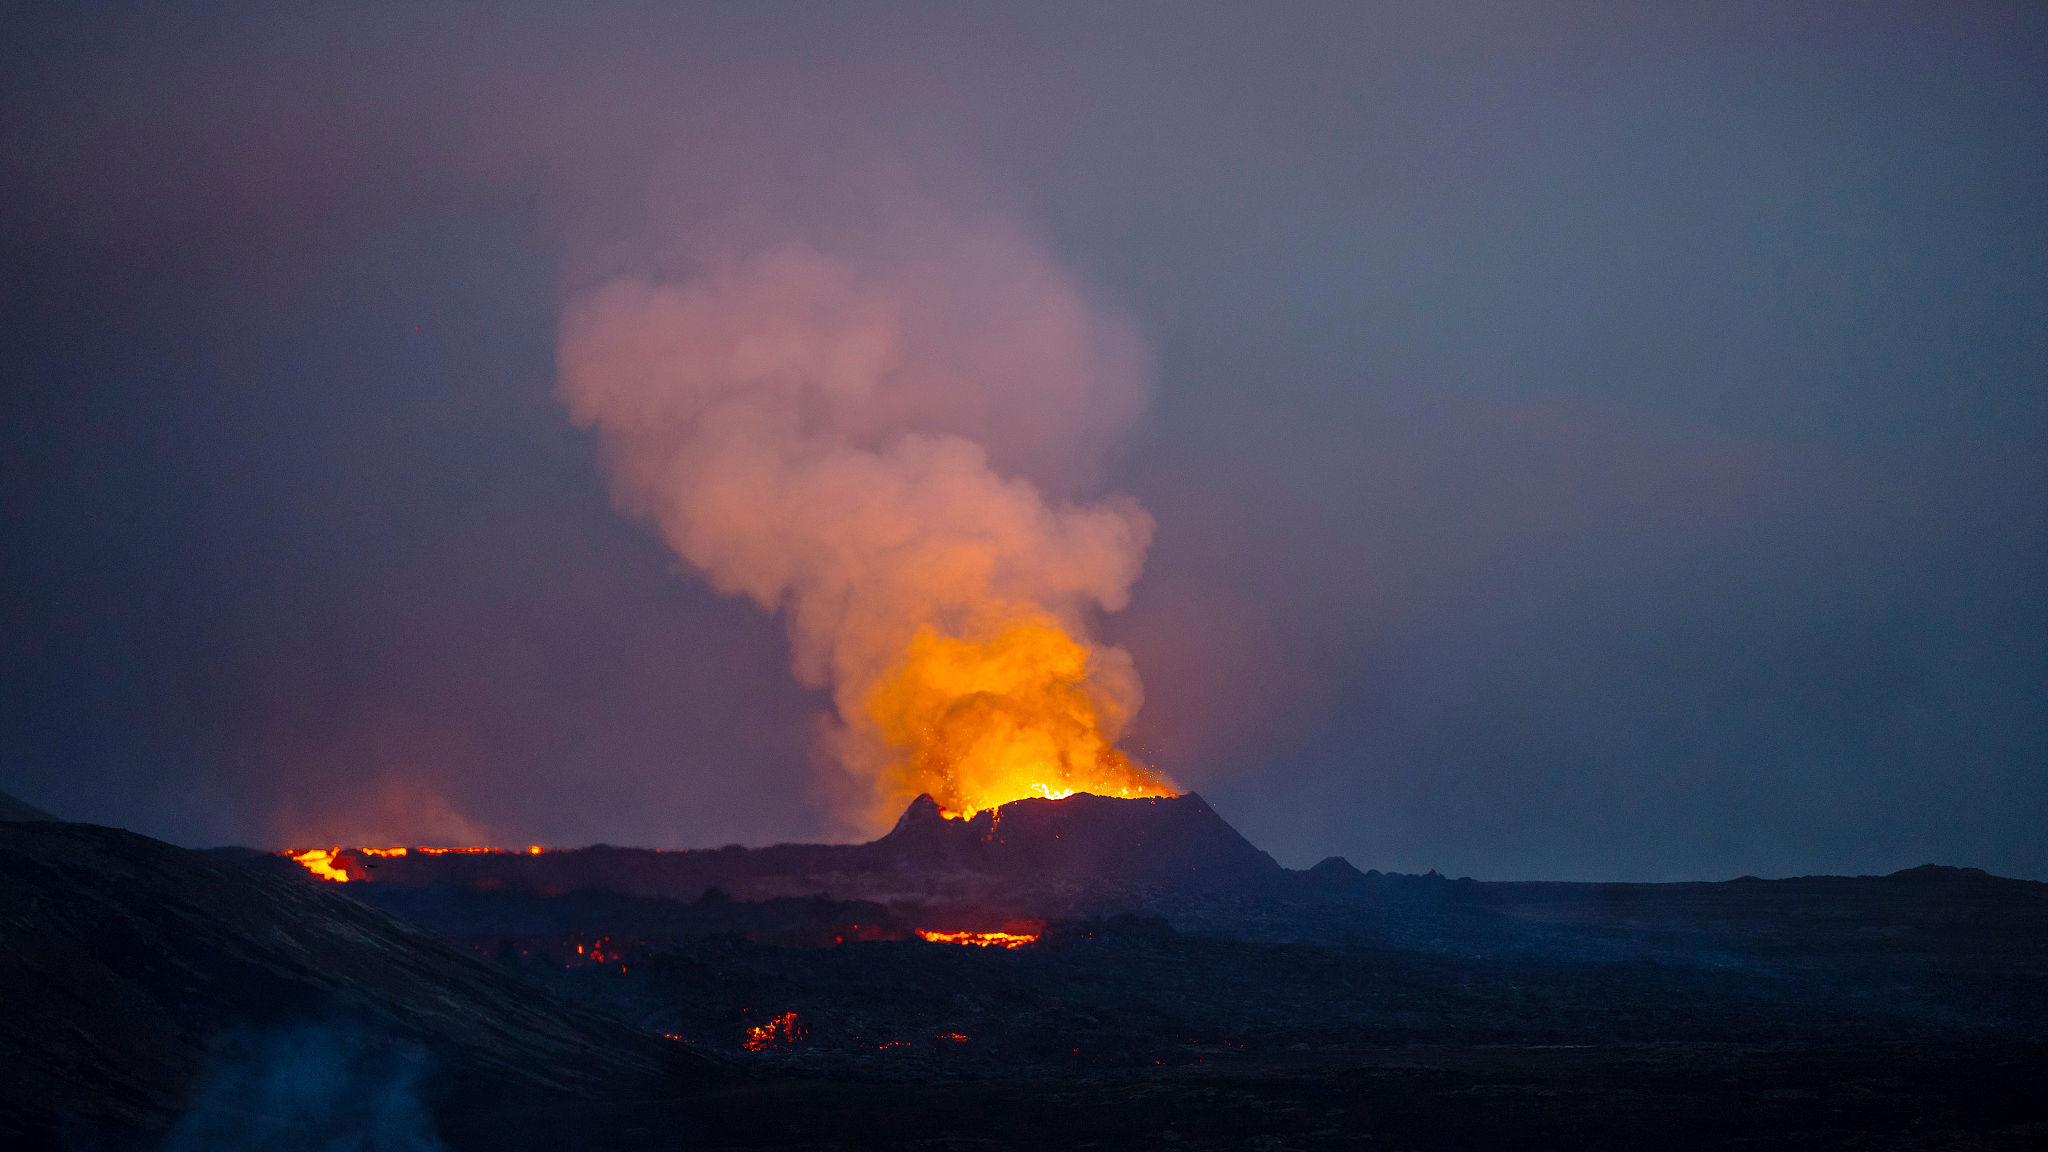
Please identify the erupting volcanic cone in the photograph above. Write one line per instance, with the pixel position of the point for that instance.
(1164, 841)
(1176, 841)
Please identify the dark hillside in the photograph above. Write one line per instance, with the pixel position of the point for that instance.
(1205, 998)
(13, 811)
(126, 959)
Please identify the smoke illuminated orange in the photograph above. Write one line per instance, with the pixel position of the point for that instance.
(980, 724)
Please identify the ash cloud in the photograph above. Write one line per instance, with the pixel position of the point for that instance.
(862, 440)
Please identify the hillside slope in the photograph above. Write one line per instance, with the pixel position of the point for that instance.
(125, 960)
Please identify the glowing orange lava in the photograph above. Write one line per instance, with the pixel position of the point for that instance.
(779, 1032)
(980, 939)
(982, 723)
(331, 863)
(321, 862)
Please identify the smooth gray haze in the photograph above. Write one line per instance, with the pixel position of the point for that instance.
(1586, 441)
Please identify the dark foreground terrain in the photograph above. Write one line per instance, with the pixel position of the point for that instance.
(151, 996)
(1938, 955)
(156, 998)
(1887, 1012)
(1657, 1096)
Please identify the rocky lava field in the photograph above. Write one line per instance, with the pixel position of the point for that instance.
(1181, 990)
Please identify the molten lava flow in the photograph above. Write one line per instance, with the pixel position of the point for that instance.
(328, 863)
(779, 1032)
(321, 862)
(980, 939)
(982, 723)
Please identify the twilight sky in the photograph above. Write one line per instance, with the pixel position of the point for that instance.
(1586, 441)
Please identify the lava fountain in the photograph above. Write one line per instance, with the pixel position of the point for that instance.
(978, 725)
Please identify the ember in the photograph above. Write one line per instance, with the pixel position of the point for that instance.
(597, 954)
(980, 939)
(780, 1032)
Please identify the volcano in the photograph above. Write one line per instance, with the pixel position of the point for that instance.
(1030, 857)
(1175, 841)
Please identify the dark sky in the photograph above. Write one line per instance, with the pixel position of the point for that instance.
(1589, 441)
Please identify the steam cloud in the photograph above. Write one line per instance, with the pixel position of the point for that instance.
(319, 1087)
(875, 442)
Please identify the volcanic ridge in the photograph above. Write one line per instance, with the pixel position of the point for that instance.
(1148, 978)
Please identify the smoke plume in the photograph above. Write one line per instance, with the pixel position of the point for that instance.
(318, 1087)
(887, 443)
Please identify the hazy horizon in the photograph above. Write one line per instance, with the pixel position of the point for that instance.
(1601, 441)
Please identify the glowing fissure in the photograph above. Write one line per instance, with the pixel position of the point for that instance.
(332, 863)
(979, 939)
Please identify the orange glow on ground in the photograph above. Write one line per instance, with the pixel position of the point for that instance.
(328, 863)
(982, 723)
(321, 862)
(779, 1032)
(980, 939)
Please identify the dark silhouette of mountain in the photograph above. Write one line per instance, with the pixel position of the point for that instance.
(125, 961)
(1081, 842)
(153, 997)
(481, 916)
(13, 811)
(1176, 841)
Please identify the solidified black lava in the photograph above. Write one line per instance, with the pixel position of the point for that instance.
(1182, 992)
(1390, 961)
(1033, 847)
(126, 960)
